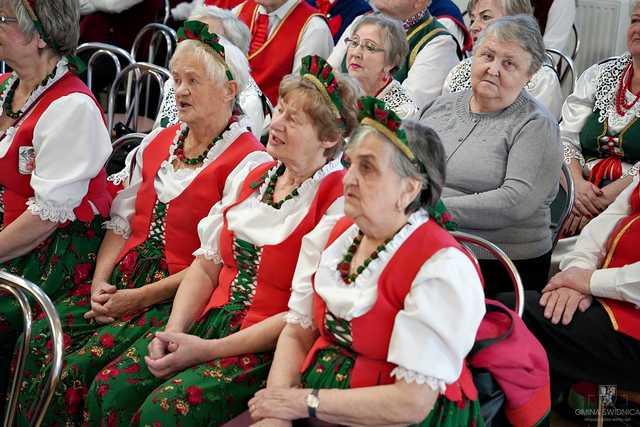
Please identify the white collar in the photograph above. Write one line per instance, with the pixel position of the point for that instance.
(281, 12)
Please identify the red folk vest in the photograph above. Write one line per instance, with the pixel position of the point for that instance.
(371, 333)
(622, 249)
(274, 59)
(277, 262)
(18, 186)
(193, 204)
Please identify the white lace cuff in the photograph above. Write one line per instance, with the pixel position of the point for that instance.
(209, 254)
(409, 376)
(633, 170)
(570, 152)
(120, 177)
(48, 211)
(119, 226)
(295, 318)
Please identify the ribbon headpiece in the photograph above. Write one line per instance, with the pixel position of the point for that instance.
(197, 30)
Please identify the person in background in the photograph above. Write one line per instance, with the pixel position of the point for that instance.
(433, 51)
(340, 13)
(377, 47)
(544, 86)
(503, 152)
(282, 33)
(556, 18)
(449, 15)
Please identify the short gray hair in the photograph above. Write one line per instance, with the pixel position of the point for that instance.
(396, 47)
(520, 29)
(425, 144)
(60, 20)
(234, 58)
(235, 30)
(509, 7)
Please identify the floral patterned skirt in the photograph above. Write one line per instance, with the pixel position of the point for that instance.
(332, 369)
(89, 346)
(126, 393)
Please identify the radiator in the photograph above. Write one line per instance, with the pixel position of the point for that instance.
(602, 26)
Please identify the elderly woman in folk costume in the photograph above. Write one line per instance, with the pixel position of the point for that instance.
(376, 48)
(173, 179)
(216, 348)
(544, 85)
(598, 130)
(392, 311)
(53, 146)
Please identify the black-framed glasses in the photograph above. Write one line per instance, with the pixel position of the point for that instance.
(367, 45)
(8, 19)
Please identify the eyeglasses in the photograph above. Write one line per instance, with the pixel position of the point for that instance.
(366, 45)
(8, 19)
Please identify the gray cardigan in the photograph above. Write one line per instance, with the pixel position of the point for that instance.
(503, 170)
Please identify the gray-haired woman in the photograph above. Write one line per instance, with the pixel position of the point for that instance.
(53, 146)
(544, 84)
(503, 151)
(395, 303)
(376, 48)
(250, 98)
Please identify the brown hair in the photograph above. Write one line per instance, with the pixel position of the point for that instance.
(314, 104)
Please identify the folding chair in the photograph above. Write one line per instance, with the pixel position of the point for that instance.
(563, 203)
(119, 57)
(139, 75)
(21, 289)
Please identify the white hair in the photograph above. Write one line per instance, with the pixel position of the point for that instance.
(236, 60)
(235, 30)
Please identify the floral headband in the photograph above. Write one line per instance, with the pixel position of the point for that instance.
(373, 112)
(74, 61)
(320, 73)
(197, 30)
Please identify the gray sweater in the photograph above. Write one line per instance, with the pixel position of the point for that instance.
(503, 170)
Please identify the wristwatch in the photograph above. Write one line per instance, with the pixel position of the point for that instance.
(313, 401)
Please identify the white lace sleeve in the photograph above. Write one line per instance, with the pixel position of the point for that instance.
(633, 170)
(210, 226)
(544, 86)
(576, 110)
(436, 384)
(435, 330)
(168, 112)
(71, 145)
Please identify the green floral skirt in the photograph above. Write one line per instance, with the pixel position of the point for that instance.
(125, 392)
(332, 369)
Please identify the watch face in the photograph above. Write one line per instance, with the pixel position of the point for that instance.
(313, 401)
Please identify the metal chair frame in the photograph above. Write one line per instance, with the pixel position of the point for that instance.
(134, 85)
(167, 12)
(466, 238)
(569, 189)
(562, 70)
(18, 287)
(104, 49)
(576, 46)
(158, 32)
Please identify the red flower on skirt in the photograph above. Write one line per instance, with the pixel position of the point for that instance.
(194, 395)
(107, 340)
(102, 390)
(74, 399)
(82, 272)
(81, 290)
(106, 374)
(66, 341)
(129, 262)
(112, 419)
(133, 369)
